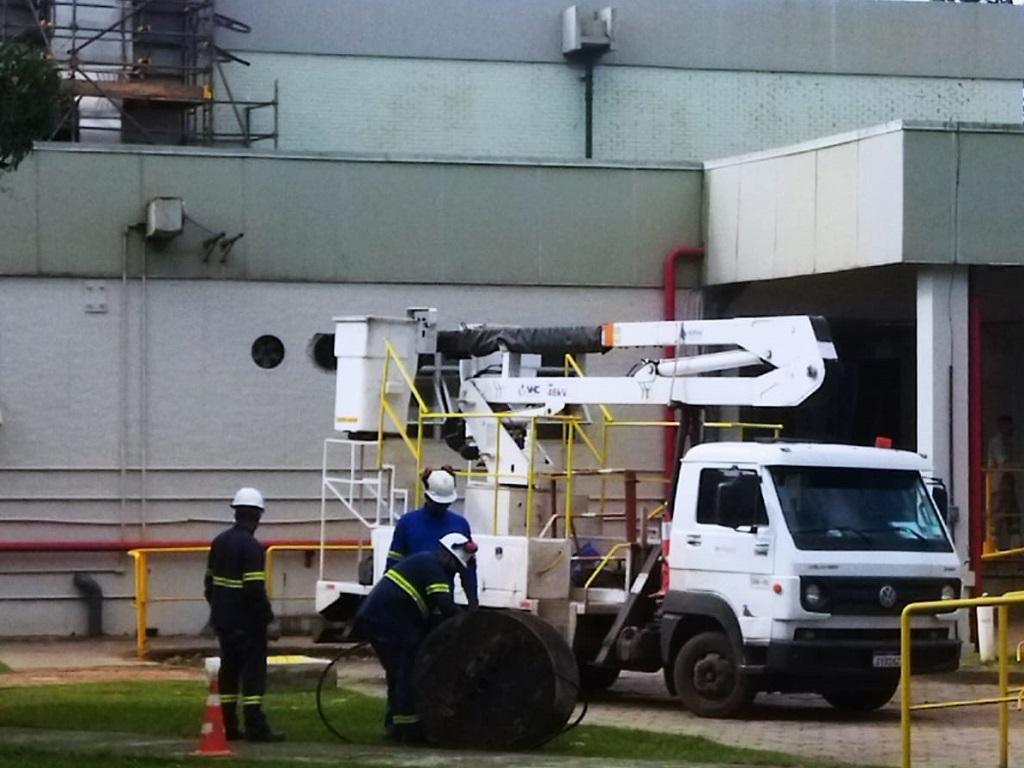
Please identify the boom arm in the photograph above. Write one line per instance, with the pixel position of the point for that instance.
(791, 346)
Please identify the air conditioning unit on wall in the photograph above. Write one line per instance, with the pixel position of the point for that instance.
(165, 218)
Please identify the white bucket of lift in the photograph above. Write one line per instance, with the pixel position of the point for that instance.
(987, 633)
(361, 350)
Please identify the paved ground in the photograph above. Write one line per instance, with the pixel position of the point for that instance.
(801, 724)
(333, 754)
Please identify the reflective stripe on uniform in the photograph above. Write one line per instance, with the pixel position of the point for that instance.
(254, 576)
(409, 589)
(405, 719)
(395, 555)
(248, 700)
(438, 588)
(229, 698)
(221, 581)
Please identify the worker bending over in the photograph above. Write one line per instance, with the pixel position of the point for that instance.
(411, 598)
(421, 529)
(235, 587)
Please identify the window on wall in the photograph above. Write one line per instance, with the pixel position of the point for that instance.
(321, 349)
(267, 351)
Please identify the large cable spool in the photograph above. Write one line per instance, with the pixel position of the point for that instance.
(494, 680)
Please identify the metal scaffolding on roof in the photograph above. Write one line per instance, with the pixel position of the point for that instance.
(142, 71)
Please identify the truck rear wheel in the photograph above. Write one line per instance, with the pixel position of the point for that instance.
(708, 679)
(861, 698)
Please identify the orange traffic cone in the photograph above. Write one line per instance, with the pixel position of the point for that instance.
(212, 739)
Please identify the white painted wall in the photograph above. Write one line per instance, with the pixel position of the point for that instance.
(213, 421)
(817, 208)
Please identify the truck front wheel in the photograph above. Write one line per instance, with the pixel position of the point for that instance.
(861, 698)
(708, 679)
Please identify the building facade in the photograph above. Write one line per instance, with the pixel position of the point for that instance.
(433, 154)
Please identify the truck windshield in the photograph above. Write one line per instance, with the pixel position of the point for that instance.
(858, 508)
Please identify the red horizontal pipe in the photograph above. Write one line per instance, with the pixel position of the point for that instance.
(124, 546)
(669, 313)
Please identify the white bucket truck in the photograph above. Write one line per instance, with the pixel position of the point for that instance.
(787, 563)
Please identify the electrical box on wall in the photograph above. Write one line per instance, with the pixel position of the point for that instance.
(587, 33)
(165, 218)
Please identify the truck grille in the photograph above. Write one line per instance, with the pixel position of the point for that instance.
(855, 596)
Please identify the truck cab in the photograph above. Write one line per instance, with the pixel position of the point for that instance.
(789, 566)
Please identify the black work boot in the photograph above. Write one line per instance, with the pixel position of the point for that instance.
(231, 729)
(257, 729)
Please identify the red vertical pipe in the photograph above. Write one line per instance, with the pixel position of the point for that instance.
(976, 504)
(669, 313)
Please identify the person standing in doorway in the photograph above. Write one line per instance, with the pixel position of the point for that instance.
(1002, 452)
(240, 612)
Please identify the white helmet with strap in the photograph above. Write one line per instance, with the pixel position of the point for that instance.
(461, 547)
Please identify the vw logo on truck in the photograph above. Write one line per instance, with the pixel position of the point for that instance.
(887, 596)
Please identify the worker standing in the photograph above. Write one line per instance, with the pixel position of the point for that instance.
(240, 611)
(411, 598)
(421, 529)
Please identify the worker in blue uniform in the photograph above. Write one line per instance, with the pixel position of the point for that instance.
(412, 597)
(421, 529)
(240, 611)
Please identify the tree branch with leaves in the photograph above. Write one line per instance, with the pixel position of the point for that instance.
(30, 101)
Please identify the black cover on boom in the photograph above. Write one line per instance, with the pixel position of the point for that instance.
(477, 342)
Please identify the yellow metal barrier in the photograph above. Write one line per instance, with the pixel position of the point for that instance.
(743, 426)
(1005, 695)
(143, 598)
(1004, 520)
(273, 548)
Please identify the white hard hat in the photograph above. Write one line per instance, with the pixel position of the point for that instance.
(441, 487)
(462, 547)
(248, 497)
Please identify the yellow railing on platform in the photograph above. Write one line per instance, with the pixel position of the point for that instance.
(1005, 694)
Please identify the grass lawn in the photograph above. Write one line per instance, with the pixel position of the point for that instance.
(175, 709)
(4, 668)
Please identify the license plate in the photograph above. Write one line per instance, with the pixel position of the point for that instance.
(886, 661)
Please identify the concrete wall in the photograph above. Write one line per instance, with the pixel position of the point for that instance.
(964, 203)
(826, 36)
(503, 109)
(348, 219)
(686, 80)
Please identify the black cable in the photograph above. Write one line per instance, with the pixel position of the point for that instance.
(574, 723)
(344, 653)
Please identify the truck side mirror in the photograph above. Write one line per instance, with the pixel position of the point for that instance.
(738, 501)
(941, 498)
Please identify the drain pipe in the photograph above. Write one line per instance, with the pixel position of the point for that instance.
(92, 595)
(672, 259)
(588, 99)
